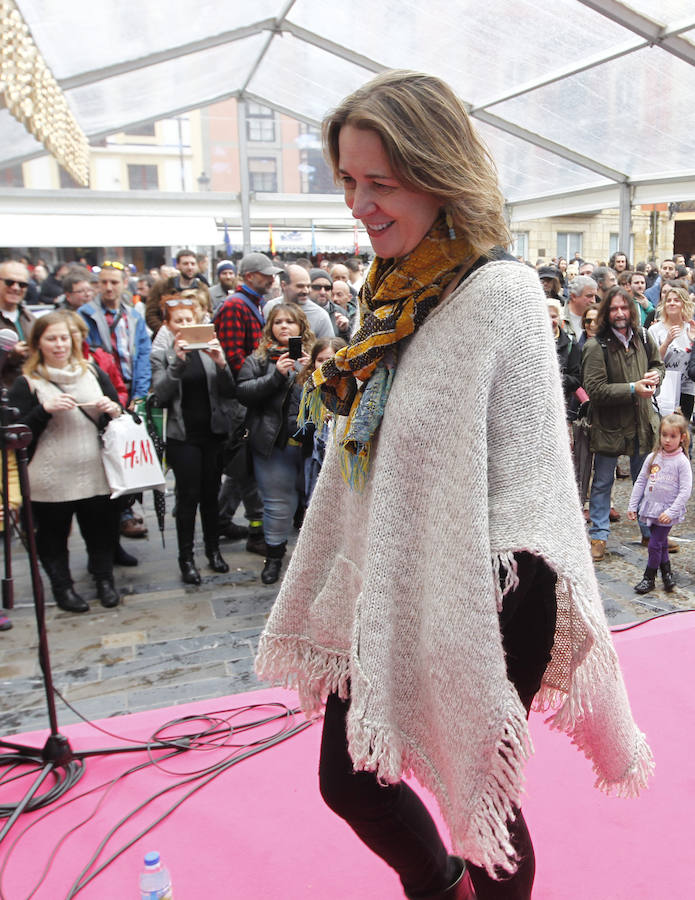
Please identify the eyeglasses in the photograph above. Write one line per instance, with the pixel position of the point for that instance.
(181, 302)
(108, 264)
(10, 282)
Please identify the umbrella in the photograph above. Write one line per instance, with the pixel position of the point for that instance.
(581, 451)
(154, 422)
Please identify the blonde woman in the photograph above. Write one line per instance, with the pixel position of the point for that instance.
(674, 333)
(429, 584)
(65, 400)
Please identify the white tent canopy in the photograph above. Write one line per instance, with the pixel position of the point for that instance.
(575, 98)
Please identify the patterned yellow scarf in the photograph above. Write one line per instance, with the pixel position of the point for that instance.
(395, 300)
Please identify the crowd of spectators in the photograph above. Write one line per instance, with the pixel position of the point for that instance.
(232, 436)
(122, 337)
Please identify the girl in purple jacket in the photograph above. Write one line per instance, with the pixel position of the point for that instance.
(660, 493)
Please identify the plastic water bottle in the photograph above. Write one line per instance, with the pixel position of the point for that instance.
(155, 881)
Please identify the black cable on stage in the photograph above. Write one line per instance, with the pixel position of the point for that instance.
(65, 778)
(105, 784)
(616, 629)
(215, 771)
(216, 736)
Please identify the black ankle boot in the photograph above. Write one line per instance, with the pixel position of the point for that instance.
(647, 583)
(217, 563)
(460, 888)
(107, 593)
(67, 599)
(273, 563)
(667, 577)
(189, 573)
(271, 571)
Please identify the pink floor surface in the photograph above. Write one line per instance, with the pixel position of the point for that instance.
(260, 830)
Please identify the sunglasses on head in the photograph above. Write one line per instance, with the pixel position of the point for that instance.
(182, 302)
(108, 264)
(9, 282)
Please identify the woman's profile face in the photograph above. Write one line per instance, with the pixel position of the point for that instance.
(55, 345)
(396, 218)
(180, 317)
(284, 328)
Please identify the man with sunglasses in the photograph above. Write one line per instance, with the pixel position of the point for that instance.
(14, 279)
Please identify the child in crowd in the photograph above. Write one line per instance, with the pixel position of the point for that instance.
(660, 494)
(315, 439)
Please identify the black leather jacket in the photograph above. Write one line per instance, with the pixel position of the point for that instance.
(272, 402)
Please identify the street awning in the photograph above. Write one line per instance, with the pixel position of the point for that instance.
(107, 231)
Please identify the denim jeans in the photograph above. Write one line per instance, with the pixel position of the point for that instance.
(278, 477)
(601, 486)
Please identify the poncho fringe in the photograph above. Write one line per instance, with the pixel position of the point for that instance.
(316, 671)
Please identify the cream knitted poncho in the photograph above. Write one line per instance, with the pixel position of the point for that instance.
(392, 595)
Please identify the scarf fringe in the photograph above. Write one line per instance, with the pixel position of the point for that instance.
(484, 838)
(505, 575)
(314, 672)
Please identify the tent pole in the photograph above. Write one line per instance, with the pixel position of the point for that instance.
(244, 195)
(625, 220)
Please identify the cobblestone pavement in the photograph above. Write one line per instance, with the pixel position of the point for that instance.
(169, 644)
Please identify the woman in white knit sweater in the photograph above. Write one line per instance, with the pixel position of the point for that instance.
(64, 400)
(442, 578)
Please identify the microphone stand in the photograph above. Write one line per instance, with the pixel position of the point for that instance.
(57, 757)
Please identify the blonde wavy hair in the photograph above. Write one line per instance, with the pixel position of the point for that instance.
(431, 146)
(684, 297)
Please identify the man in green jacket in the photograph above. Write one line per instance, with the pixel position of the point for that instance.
(621, 371)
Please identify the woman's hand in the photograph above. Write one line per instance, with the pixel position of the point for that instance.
(180, 346)
(673, 333)
(304, 360)
(216, 354)
(108, 406)
(284, 364)
(632, 515)
(664, 519)
(59, 403)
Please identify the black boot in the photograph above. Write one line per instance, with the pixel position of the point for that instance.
(67, 599)
(667, 577)
(256, 542)
(460, 888)
(107, 593)
(273, 563)
(217, 564)
(233, 532)
(122, 558)
(647, 583)
(189, 573)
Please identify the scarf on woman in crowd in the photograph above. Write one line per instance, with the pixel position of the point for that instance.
(396, 298)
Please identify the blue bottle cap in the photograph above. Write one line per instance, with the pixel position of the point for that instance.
(152, 859)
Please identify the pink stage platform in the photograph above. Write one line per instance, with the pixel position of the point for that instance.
(260, 829)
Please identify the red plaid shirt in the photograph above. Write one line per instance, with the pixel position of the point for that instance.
(238, 330)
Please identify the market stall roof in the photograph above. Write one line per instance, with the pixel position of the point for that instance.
(574, 97)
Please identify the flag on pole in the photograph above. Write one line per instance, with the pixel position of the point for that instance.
(227, 242)
(313, 240)
(357, 242)
(271, 239)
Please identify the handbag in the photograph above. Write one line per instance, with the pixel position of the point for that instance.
(129, 456)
